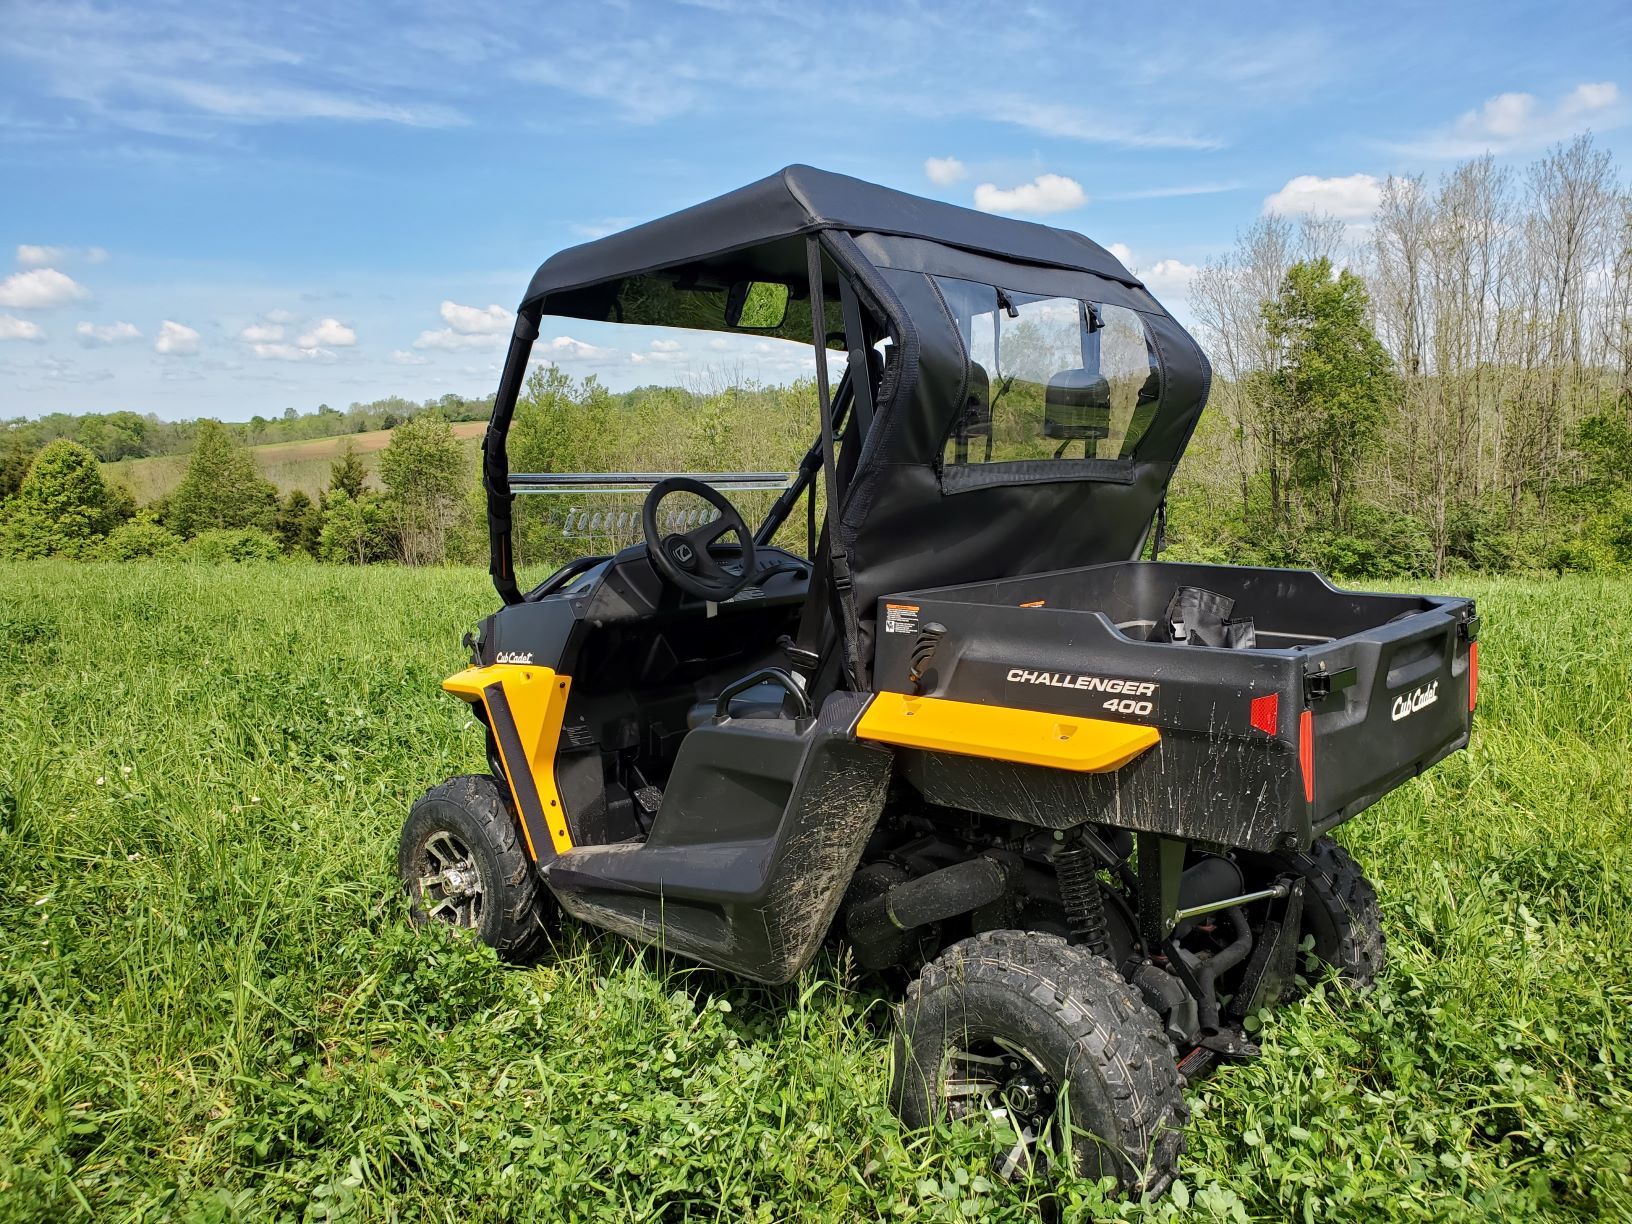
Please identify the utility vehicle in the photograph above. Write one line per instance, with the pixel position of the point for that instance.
(1077, 800)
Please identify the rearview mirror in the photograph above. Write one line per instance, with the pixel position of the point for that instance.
(756, 305)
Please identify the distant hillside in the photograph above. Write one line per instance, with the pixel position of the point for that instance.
(289, 465)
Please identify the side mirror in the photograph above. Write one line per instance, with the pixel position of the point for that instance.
(756, 305)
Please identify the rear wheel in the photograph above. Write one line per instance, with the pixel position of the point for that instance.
(1340, 910)
(462, 863)
(1047, 1045)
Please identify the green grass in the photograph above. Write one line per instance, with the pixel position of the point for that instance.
(300, 465)
(212, 1009)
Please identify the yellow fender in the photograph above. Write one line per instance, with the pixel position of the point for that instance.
(525, 706)
(1003, 733)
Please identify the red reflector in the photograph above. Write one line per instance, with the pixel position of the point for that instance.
(1306, 753)
(1266, 713)
(1473, 675)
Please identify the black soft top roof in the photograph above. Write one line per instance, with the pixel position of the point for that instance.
(799, 200)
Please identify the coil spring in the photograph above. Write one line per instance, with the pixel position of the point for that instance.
(1077, 869)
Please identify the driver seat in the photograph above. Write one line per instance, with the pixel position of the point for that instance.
(767, 699)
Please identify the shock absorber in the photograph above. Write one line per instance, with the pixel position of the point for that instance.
(1078, 870)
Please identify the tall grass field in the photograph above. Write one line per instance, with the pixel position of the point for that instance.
(212, 1007)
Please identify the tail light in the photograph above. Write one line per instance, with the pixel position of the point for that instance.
(1306, 753)
(1473, 675)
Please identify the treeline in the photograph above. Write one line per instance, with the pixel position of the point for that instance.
(431, 509)
(112, 436)
(1458, 396)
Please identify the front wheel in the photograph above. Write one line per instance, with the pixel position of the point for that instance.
(462, 863)
(1046, 1044)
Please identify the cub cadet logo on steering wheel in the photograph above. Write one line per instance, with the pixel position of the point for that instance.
(682, 553)
(1416, 699)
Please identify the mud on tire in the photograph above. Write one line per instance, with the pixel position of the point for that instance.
(1070, 1013)
(462, 861)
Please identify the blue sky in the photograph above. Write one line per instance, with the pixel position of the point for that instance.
(230, 208)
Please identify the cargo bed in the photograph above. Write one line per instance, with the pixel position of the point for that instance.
(1344, 696)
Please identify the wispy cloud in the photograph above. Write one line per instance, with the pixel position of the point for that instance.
(1167, 193)
(90, 335)
(1095, 126)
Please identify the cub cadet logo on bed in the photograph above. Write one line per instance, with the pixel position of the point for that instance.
(1417, 699)
(1131, 690)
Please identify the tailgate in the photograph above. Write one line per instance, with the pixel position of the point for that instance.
(1388, 703)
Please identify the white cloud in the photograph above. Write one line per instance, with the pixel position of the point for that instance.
(565, 348)
(474, 321)
(176, 340)
(1520, 122)
(30, 256)
(1123, 252)
(448, 340)
(92, 334)
(666, 346)
(40, 289)
(1169, 277)
(329, 333)
(404, 357)
(279, 316)
(1351, 197)
(13, 328)
(1047, 193)
(262, 333)
(290, 352)
(944, 171)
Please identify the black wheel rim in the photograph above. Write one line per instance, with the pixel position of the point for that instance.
(1003, 1086)
(449, 882)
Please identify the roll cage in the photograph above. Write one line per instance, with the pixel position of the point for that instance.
(903, 286)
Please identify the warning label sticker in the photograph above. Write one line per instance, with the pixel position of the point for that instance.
(900, 618)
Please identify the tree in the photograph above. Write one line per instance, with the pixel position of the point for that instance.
(222, 488)
(354, 530)
(348, 474)
(425, 470)
(300, 524)
(1331, 384)
(17, 451)
(63, 507)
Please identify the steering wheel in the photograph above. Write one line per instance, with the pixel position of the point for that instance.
(683, 557)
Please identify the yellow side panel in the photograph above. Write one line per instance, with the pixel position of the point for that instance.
(537, 698)
(1001, 733)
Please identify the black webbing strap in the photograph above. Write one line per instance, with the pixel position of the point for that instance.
(838, 562)
(855, 339)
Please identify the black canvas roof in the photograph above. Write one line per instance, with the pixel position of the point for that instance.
(799, 200)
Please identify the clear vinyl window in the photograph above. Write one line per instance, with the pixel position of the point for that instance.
(1049, 378)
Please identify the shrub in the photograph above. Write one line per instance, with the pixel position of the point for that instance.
(243, 544)
(138, 539)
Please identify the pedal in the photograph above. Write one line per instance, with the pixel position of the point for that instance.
(649, 799)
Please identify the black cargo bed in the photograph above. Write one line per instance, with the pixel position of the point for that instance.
(1345, 696)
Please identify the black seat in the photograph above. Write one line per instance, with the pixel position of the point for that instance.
(765, 700)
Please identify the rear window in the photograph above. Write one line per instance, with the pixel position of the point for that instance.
(1049, 378)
